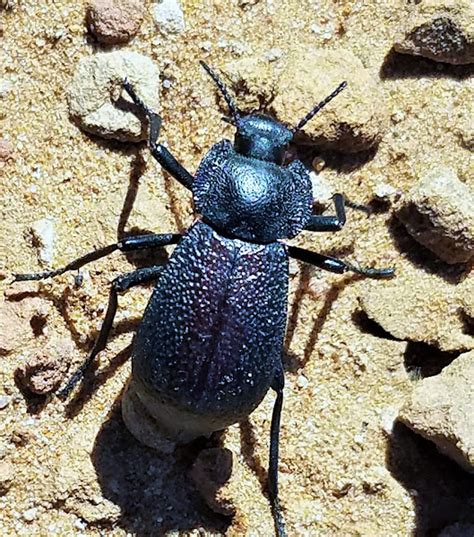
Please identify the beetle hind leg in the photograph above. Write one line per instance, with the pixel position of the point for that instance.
(120, 284)
(278, 384)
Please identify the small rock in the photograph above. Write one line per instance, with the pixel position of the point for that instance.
(322, 190)
(6, 151)
(44, 237)
(4, 401)
(43, 373)
(441, 409)
(460, 529)
(7, 474)
(211, 470)
(439, 213)
(7, 4)
(355, 121)
(465, 128)
(441, 30)
(30, 514)
(421, 307)
(384, 191)
(5, 87)
(168, 16)
(376, 480)
(15, 331)
(115, 21)
(21, 436)
(97, 101)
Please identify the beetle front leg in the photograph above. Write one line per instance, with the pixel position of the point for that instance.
(277, 385)
(329, 223)
(164, 157)
(128, 244)
(332, 264)
(120, 284)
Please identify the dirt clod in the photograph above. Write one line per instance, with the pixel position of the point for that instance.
(43, 372)
(441, 410)
(439, 213)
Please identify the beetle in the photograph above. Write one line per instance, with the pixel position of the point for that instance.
(210, 343)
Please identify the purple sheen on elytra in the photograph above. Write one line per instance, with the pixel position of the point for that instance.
(211, 337)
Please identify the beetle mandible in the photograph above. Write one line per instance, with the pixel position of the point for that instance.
(210, 343)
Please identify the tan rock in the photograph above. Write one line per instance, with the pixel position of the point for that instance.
(96, 90)
(442, 30)
(439, 213)
(418, 306)
(355, 121)
(115, 21)
(441, 409)
(43, 372)
(20, 321)
(210, 471)
(7, 475)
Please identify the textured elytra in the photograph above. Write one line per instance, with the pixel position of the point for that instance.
(252, 199)
(211, 336)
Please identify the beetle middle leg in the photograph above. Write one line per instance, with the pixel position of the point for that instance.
(119, 285)
(333, 264)
(329, 223)
(277, 385)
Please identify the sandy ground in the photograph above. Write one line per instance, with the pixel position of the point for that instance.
(77, 471)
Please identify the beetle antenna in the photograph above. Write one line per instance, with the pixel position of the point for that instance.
(318, 107)
(225, 93)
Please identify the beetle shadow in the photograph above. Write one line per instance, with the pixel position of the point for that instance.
(442, 492)
(399, 66)
(293, 362)
(421, 257)
(153, 490)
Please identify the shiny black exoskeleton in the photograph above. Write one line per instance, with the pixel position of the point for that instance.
(210, 343)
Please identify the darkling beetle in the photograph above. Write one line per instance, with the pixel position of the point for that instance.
(210, 343)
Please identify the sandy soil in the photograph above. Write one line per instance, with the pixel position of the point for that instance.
(77, 471)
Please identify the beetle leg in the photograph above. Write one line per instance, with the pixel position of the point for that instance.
(277, 385)
(329, 223)
(336, 265)
(136, 242)
(159, 151)
(120, 284)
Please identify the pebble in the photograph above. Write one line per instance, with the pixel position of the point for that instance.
(441, 409)
(44, 237)
(168, 16)
(30, 514)
(438, 212)
(210, 471)
(6, 151)
(97, 86)
(44, 372)
(441, 30)
(4, 401)
(322, 190)
(384, 191)
(7, 474)
(115, 21)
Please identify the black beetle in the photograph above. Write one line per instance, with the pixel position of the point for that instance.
(210, 343)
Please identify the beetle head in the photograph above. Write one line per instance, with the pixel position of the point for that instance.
(259, 136)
